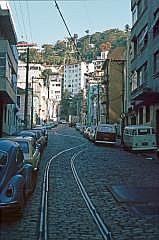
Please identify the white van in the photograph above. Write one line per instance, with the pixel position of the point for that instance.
(139, 137)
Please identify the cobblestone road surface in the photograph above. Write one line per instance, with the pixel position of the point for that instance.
(99, 168)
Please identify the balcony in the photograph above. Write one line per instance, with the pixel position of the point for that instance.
(7, 73)
(11, 52)
(145, 94)
(7, 93)
(8, 31)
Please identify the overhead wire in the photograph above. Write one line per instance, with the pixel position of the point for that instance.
(29, 21)
(22, 16)
(72, 39)
(23, 20)
(17, 17)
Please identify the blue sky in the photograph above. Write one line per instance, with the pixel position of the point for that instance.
(40, 22)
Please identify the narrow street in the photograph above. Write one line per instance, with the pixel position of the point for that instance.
(100, 168)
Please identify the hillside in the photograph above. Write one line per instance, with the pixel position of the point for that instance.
(88, 48)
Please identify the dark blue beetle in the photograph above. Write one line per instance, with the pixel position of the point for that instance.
(16, 177)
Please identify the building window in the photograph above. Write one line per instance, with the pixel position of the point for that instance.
(134, 15)
(142, 39)
(139, 8)
(18, 101)
(2, 71)
(2, 64)
(134, 47)
(142, 75)
(134, 80)
(34, 68)
(156, 62)
(147, 113)
(156, 23)
(5, 114)
(140, 115)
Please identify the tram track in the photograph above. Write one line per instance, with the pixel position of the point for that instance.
(42, 235)
(106, 234)
(43, 226)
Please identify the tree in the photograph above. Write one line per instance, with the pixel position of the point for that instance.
(45, 74)
(65, 104)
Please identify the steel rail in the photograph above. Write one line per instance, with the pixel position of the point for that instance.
(43, 230)
(106, 234)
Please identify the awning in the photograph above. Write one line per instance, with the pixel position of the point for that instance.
(148, 98)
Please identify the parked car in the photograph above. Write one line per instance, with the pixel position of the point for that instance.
(77, 126)
(30, 152)
(139, 137)
(105, 133)
(82, 129)
(92, 133)
(44, 132)
(49, 125)
(40, 138)
(34, 135)
(16, 176)
(87, 132)
(27, 133)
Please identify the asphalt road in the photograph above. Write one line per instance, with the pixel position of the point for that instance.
(100, 168)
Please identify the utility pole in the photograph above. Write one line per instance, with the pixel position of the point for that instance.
(107, 91)
(98, 106)
(32, 105)
(123, 103)
(26, 92)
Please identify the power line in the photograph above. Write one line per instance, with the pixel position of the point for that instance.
(72, 39)
(22, 15)
(18, 21)
(27, 6)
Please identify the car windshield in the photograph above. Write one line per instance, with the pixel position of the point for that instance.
(105, 129)
(3, 159)
(24, 146)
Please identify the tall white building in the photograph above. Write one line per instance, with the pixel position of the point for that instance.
(74, 77)
(55, 86)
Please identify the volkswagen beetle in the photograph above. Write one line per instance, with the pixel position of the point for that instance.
(16, 176)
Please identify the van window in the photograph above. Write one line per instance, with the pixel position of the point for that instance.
(143, 131)
(134, 132)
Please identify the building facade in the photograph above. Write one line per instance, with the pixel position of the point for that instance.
(74, 77)
(8, 72)
(113, 82)
(37, 94)
(144, 64)
(55, 96)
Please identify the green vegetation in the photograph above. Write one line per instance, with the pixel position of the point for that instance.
(88, 46)
(70, 105)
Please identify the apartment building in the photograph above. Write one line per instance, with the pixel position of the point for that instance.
(74, 77)
(55, 89)
(8, 71)
(144, 63)
(37, 93)
(113, 98)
